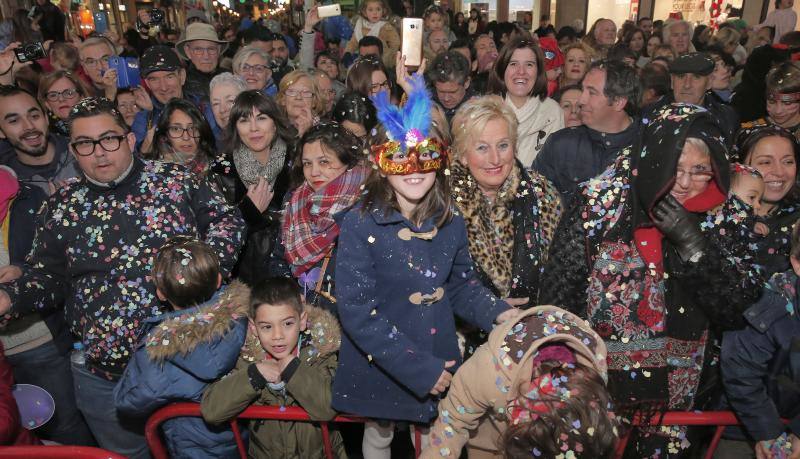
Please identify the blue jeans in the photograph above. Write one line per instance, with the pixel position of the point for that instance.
(95, 397)
(46, 367)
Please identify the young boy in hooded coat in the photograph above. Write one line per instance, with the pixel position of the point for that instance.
(185, 350)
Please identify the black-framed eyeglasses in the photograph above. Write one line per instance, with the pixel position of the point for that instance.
(176, 132)
(374, 88)
(86, 147)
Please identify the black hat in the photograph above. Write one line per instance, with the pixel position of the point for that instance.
(697, 63)
(159, 58)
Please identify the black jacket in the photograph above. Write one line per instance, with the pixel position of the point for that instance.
(197, 83)
(263, 229)
(761, 363)
(52, 22)
(22, 227)
(573, 155)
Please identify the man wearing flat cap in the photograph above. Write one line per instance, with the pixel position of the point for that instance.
(691, 83)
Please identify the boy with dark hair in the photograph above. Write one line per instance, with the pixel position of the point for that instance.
(761, 368)
(183, 350)
(289, 359)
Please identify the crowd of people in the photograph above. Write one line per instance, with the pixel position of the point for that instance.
(514, 249)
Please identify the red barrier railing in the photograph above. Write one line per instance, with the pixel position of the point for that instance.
(721, 419)
(56, 452)
(178, 410)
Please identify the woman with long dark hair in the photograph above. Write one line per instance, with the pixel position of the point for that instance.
(184, 137)
(254, 175)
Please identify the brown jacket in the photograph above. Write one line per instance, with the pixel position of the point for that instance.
(473, 413)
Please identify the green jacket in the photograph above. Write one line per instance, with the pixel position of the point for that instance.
(308, 387)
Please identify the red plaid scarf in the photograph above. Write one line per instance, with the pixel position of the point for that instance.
(309, 230)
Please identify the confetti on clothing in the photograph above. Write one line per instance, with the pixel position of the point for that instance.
(95, 246)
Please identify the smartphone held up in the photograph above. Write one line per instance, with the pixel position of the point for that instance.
(326, 11)
(412, 41)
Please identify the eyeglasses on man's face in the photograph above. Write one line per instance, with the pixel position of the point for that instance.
(86, 147)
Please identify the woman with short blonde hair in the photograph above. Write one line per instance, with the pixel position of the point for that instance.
(502, 203)
(300, 99)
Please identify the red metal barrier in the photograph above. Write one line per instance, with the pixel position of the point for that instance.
(56, 452)
(177, 410)
(721, 419)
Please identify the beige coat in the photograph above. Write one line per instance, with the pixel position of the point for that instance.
(473, 413)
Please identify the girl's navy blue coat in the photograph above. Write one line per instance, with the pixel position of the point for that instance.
(398, 287)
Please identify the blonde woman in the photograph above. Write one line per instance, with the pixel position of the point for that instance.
(577, 59)
(301, 101)
(502, 203)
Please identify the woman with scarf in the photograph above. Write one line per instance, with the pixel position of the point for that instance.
(254, 174)
(329, 173)
(510, 213)
(519, 77)
(774, 152)
(654, 256)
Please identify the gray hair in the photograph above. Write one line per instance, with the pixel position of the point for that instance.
(449, 66)
(668, 25)
(698, 144)
(243, 54)
(94, 41)
(229, 79)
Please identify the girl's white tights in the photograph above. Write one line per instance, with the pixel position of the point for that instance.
(377, 441)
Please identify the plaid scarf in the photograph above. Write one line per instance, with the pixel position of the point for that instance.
(309, 230)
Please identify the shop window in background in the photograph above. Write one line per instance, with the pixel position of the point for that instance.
(488, 10)
(618, 11)
(518, 8)
(694, 11)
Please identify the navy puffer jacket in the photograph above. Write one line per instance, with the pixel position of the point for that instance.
(182, 353)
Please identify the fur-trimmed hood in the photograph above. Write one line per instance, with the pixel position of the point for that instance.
(179, 333)
(322, 337)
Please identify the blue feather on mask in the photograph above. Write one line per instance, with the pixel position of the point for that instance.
(389, 116)
(416, 113)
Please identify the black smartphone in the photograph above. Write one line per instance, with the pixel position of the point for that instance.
(30, 52)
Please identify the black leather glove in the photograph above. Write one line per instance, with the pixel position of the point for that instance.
(680, 227)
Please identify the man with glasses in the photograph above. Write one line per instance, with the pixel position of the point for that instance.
(93, 253)
(202, 49)
(95, 53)
(38, 346)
